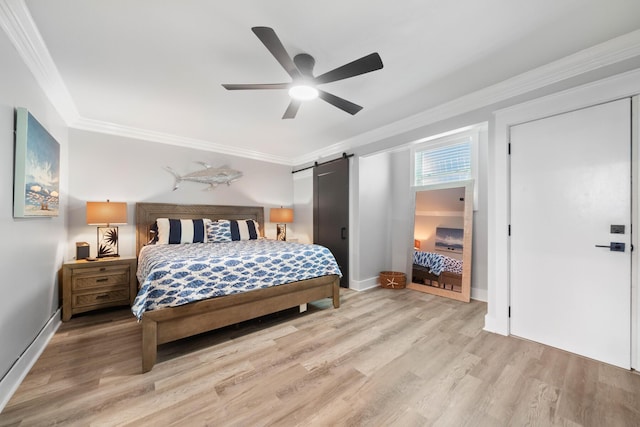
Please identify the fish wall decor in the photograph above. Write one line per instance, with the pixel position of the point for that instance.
(209, 175)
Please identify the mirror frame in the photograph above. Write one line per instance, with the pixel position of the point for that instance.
(465, 294)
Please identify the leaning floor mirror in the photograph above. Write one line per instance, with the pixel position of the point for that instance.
(443, 226)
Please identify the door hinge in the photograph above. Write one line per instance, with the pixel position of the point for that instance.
(509, 230)
(509, 311)
(509, 148)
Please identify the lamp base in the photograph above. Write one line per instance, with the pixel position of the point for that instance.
(107, 242)
(281, 232)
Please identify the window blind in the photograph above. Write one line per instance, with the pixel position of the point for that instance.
(446, 163)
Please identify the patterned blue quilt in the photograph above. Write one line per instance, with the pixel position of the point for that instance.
(437, 263)
(173, 275)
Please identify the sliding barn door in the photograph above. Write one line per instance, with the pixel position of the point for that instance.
(570, 206)
(331, 211)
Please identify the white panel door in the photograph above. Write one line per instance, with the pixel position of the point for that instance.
(570, 181)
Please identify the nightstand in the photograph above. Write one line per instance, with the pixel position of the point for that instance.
(90, 285)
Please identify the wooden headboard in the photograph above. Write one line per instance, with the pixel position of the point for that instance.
(147, 213)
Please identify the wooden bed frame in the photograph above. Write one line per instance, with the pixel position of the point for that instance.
(170, 324)
(421, 274)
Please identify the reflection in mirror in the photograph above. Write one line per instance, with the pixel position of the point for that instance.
(443, 226)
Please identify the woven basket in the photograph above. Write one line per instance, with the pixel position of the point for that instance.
(393, 280)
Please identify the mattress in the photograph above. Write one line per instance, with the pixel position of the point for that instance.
(174, 275)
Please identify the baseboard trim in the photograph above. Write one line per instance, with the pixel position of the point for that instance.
(12, 380)
(479, 294)
(489, 323)
(363, 285)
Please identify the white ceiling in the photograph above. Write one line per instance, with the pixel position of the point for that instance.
(155, 68)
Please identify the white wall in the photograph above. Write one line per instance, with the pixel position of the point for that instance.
(129, 170)
(371, 207)
(480, 254)
(401, 221)
(302, 207)
(32, 249)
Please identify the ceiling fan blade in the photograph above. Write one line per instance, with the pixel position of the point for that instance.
(269, 38)
(366, 64)
(256, 86)
(292, 109)
(341, 103)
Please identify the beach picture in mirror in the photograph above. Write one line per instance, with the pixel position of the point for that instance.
(449, 239)
(443, 222)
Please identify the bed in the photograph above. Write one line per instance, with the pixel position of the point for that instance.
(437, 270)
(166, 324)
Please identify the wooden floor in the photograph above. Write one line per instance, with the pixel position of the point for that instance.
(385, 358)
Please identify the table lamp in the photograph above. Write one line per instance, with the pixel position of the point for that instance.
(281, 216)
(105, 214)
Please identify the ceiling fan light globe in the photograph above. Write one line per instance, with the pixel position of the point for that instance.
(303, 92)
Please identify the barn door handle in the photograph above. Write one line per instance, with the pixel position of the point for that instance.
(342, 231)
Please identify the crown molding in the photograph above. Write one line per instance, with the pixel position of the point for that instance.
(16, 21)
(180, 141)
(604, 54)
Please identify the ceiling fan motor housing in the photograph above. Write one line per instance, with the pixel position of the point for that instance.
(305, 64)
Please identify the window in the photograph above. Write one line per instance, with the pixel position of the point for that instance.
(448, 157)
(447, 163)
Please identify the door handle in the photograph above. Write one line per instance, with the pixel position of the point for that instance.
(613, 246)
(342, 231)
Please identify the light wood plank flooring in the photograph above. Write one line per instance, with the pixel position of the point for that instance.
(385, 358)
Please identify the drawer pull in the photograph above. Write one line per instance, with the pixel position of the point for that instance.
(103, 268)
(103, 296)
(104, 279)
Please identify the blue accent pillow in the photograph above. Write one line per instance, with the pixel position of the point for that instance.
(225, 230)
(219, 231)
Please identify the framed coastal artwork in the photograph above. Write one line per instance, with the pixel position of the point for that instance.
(36, 181)
(449, 239)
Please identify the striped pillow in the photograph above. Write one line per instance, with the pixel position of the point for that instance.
(244, 229)
(178, 231)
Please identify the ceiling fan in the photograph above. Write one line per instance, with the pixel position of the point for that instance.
(303, 84)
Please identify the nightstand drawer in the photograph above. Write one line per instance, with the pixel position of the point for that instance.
(97, 278)
(101, 298)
